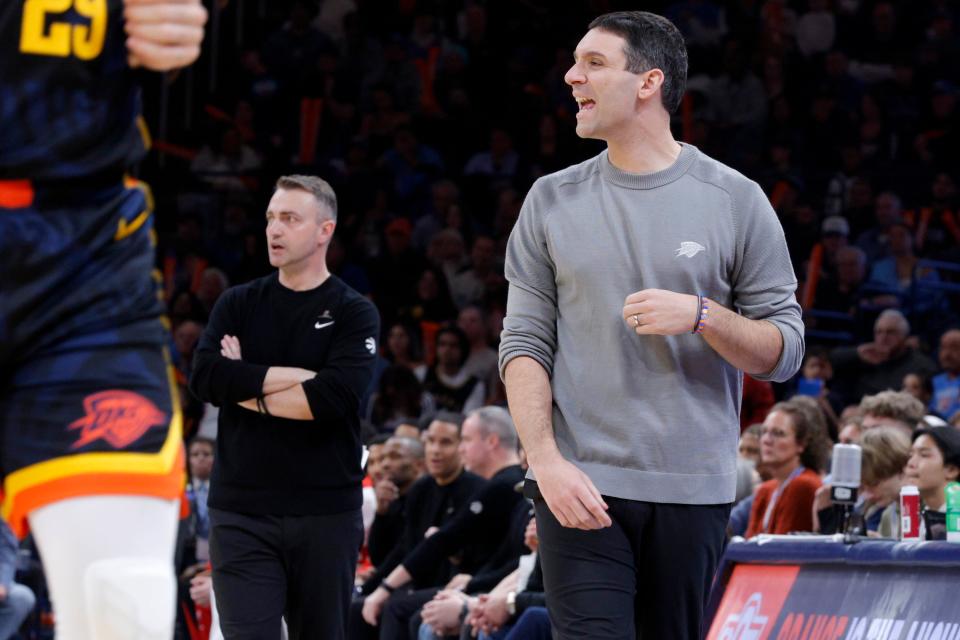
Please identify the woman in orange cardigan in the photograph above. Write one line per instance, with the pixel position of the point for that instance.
(793, 449)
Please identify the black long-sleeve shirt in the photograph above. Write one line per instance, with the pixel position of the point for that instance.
(483, 521)
(386, 530)
(275, 466)
(427, 505)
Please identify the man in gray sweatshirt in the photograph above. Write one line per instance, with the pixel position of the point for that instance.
(642, 282)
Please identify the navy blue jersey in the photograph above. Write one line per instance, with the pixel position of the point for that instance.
(69, 104)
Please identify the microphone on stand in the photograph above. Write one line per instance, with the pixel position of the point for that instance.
(845, 478)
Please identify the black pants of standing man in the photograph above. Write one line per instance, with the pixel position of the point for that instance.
(646, 576)
(297, 567)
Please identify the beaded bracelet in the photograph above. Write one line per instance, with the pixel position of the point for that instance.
(696, 322)
(702, 317)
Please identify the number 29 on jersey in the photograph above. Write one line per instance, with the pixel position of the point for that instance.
(45, 30)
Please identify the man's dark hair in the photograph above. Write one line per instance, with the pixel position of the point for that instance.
(319, 187)
(652, 42)
(450, 417)
(210, 442)
(461, 337)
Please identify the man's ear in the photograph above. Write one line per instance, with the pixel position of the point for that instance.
(650, 82)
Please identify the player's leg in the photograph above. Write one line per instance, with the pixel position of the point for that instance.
(91, 430)
(119, 550)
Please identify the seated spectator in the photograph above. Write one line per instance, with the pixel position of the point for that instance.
(934, 461)
(851, 430)
(447, 252)
(885, 451)
(471, 285)
(793, 449)
(874, 241)
(482, 362)
(450, 384)
(430, 301)
(399, 396)
(444, 194)
(402, 464)
(841, 291)
(893, 280)
(16, 600)
(946, 385)
(880, 365)
(748, 478)
(230, 166)
(919, 386)
(749, 447)
(403, 349)
(815, 376)
(895, 408)
(201, 456)
(885, 455)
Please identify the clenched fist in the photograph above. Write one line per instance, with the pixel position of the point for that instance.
(163, 34)
(661, 313)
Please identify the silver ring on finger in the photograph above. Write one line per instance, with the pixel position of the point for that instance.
(636, 320)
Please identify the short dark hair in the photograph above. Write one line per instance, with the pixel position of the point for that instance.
(461, 337)
(319, 187)
(652, 42)
(210, 442)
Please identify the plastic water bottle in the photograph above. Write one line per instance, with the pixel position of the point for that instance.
(953, 511)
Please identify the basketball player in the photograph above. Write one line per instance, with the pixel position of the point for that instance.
(91, 451)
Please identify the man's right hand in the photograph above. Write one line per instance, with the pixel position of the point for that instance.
(571, 496)
(163, 34)
(373, 606)
(386, 492)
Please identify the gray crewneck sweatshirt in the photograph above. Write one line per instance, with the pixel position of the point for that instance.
(651, 418)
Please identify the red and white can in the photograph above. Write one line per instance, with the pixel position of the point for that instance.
(909, 513)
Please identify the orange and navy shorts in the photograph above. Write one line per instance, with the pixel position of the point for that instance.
(88, 405)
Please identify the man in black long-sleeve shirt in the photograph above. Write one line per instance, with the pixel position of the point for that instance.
(402, 467)
(489, 448)
(285, 494)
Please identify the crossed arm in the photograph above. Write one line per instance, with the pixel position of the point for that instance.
(283, 393)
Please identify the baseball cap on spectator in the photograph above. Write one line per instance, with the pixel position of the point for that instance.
(835, 225)
(399, 226)
(948, 441)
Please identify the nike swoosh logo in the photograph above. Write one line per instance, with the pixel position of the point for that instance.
(125, 228)
(321, 326)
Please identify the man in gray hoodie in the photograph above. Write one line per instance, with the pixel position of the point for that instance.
(642, 282)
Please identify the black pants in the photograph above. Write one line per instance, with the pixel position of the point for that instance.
(648, 575)
(298, 567)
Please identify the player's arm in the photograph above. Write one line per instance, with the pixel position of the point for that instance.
(527, 348)
(163, 34)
